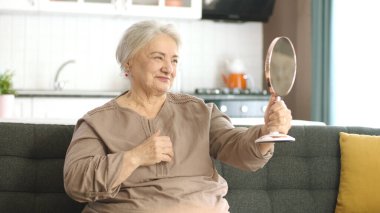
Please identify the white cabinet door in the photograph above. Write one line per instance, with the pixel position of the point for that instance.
(80, 6)
(70, 109)
(22, 5)
(22, 108)
(190, 9)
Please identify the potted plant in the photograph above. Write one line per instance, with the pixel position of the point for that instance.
(7, 94)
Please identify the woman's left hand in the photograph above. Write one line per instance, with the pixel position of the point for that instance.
(277, 117)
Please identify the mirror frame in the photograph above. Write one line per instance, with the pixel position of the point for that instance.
(268, 61)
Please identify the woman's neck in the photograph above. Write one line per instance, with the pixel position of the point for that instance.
(147, 105)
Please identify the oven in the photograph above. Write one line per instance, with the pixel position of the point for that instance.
(244, 107)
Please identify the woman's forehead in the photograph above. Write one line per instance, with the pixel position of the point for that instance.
(162, 42)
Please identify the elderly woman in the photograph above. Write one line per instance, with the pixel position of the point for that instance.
(149, 150)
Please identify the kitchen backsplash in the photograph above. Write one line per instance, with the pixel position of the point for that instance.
(34, 45)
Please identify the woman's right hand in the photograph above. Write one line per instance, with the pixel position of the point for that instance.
(155, 149)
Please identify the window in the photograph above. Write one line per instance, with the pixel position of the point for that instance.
(355, 63)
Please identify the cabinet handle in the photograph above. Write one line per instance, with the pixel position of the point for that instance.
(32, 2)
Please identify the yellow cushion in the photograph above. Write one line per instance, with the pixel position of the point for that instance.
(359, 187)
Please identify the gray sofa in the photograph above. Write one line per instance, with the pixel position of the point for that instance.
(301, 177)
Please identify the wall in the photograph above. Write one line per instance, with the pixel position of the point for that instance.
(34, 45)
(292, 18)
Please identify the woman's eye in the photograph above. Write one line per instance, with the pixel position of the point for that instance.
(159, 58)
(175, 61)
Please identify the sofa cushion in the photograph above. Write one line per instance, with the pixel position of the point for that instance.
(360, 174)
(301, 177)
(31, 168)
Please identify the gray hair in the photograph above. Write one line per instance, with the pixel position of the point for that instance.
(139, 35)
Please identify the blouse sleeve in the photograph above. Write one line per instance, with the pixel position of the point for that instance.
(89, 172)
(235, 145)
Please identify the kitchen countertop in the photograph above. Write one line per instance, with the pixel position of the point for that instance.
(111, 94)
(67, 93)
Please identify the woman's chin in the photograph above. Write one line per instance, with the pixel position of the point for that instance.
(163, 90)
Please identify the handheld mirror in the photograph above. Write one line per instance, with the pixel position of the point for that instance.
(280, 73)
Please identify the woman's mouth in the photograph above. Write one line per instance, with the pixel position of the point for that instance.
(163, 78)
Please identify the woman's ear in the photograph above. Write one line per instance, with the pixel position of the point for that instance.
(126, 68)
(128, 65)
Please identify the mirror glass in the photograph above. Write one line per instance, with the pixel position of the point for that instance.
(280, 73)
(280, 66)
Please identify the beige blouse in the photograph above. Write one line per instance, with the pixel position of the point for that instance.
(189, 183)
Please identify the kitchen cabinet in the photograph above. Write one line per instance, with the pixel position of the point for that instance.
(64, 108)
(68, 109)
(79, 6)
(189, 9)
(22, 108)
(22, 5)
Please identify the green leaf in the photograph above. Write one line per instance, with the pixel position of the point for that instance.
(6, 86)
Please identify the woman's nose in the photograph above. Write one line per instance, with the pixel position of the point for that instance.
(168, 67)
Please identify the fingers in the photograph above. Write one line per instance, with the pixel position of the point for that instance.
(161, 147)
(272, 101)
(165, 149)
(278, 118)
(155, 149)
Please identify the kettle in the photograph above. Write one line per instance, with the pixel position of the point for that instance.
(236, 77)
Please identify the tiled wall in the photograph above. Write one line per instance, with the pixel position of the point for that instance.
(34, 46)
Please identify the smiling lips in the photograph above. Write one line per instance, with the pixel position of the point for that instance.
(164, 78)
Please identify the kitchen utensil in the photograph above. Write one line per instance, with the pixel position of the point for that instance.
(280, 73)
(235, 80)
(235, 65)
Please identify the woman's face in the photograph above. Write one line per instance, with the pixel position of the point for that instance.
(153, 69)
